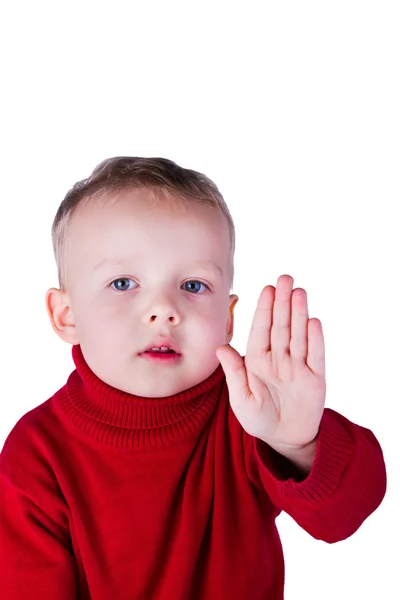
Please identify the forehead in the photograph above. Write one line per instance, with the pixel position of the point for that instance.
(134, 222)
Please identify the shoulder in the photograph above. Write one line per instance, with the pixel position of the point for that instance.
(27, 443)
(29, 477)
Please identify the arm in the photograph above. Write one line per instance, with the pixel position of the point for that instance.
(346, 482)
(36, 559)
(323, 470)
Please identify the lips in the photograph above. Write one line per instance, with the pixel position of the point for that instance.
(166, 343)
(161, 351)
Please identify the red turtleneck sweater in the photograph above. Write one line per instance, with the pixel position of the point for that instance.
(105, 495)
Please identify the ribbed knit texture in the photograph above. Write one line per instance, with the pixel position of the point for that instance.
(121, 420)
(105, 495)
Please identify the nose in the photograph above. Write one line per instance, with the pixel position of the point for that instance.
(163, 312)
(158, 317)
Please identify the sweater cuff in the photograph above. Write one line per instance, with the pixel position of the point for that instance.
(333, 453)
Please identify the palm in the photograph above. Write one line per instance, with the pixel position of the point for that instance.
(278, 391)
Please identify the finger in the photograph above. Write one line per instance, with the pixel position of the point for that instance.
(281, 316)
(259, 338)
(316, 347)
(298, 338)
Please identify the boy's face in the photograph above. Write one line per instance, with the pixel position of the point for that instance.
(114, 310)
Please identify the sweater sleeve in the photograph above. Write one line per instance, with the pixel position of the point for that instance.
(347, 481)
(36, 559)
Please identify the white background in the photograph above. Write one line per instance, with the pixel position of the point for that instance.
(292, 108)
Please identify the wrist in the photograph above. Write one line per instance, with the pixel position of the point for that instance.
(301, 456)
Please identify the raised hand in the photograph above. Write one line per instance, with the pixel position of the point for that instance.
(278, 390)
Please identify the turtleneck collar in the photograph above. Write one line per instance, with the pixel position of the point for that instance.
(122, 420)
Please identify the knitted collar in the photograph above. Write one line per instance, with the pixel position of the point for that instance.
(119, 419)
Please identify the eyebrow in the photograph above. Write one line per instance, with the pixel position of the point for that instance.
(107, 261)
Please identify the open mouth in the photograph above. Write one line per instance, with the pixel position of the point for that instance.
(166, 356)
(161, 351)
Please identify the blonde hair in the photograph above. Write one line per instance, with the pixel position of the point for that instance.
(166, 181)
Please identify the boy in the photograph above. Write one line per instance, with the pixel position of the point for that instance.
(158, 470)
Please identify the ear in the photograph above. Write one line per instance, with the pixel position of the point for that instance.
(58, 306)
(230, 323)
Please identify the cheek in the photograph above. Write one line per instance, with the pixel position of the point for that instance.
(115, 308)
(213, 324)
(219, 314)
(95, 319)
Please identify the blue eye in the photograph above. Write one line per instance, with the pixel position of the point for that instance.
(118, 288)
(199, 282)
(127, 279)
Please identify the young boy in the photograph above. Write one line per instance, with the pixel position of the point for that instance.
(158, 470)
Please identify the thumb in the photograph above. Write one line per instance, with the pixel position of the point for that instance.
(235, 372)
